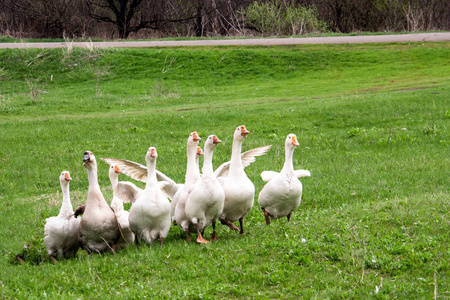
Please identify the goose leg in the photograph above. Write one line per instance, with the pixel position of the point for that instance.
(241, 223)
(288, 216)
(214, 235)
(54, 261)
(188, 235)
(229, 224)
(200, 238)
(161, 240)
(266, 215)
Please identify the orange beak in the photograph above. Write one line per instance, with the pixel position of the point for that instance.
(153, 153)
(199, 151)
(216, 140)
(117, 169)
(67, 177)
(294, 141)
(244, 131)
(195, 136)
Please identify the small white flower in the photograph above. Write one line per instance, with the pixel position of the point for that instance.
(376, 289)
(303, 241)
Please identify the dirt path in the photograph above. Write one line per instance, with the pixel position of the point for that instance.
(412, 37)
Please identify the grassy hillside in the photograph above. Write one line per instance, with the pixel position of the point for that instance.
(372, 122)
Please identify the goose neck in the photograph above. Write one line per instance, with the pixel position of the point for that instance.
(114, 181)
(151, 171)
(288, 163)
(236, 161)
(66, 204)
(92, 176)
(207, 168)
(192, 170)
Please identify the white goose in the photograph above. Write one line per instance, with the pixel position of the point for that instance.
(174, 202)
(192, 176)
(99, 229)
(150, 214)
(127, 237)
(239, 190)
(205, 203)
(61, 232)
(283, 191)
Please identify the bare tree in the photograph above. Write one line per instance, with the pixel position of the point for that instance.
(133, 15)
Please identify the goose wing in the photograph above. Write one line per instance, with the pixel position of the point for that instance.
(247, 158)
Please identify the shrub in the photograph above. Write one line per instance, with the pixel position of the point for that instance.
(283, 18)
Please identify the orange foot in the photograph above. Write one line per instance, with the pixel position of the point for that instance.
(201, 240)
(232, 226)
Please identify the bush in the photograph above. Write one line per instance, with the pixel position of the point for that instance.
(283, 18)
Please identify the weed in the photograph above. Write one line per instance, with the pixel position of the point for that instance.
(430, 129)
(34, 88)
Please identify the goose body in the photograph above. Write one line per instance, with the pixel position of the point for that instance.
(282, 193)
(150, 215)
(205, 202)
(239, 190)
(99, 229)
(61, 232)
(127, 236)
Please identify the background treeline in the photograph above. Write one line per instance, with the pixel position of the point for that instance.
(108, 19)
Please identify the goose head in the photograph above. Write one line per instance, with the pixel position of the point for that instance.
(291, 141)
(65, 177)
(194, 137)
(212, 141)
(241, 132)
(114, 170)
(89, 160)
(151, 154)
(199, 152)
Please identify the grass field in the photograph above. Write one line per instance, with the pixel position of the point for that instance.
(373, 126)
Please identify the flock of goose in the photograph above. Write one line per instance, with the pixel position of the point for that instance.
(225, 194)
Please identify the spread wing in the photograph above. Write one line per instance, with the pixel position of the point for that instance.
(139, 172)
(129, 168)
(302, 173)
(136, 170)
(127, 191)
(247, 158)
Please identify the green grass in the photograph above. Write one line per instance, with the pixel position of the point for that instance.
(372, 122)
